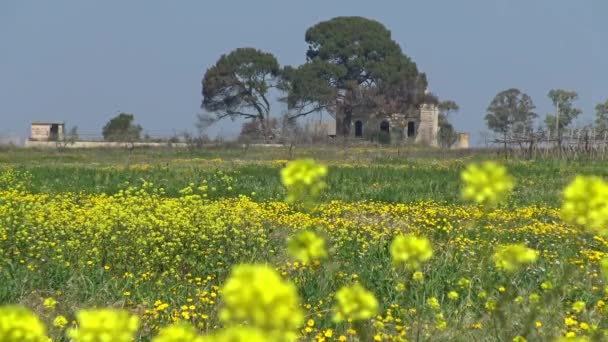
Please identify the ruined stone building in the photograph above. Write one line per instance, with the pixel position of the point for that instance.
(46, 131)
(419, 127)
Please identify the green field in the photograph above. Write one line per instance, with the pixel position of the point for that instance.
(157, 233)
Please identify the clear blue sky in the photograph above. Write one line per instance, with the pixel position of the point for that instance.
(82, 61)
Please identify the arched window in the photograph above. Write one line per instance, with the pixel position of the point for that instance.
(358, 128)
(384, 126)
(411, 129)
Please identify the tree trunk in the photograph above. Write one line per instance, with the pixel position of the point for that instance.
(505, 144)
(343, 121)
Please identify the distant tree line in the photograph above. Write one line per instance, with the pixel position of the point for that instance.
(511, 115)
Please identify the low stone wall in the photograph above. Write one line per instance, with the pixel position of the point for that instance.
(99, 144)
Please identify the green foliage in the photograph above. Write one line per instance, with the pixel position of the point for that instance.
(239, 83)
(563, 102)
(350, 63)
(601, 118)
(511, 111)
(447, 133)
(121, 128)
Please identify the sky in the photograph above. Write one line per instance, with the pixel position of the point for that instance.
(83, 61)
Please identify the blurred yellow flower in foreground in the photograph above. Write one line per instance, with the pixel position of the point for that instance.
(511, 258)
(104, 325)
(410, 251)
(18, 324)
(586, 203)
(487, 183)
(304, 180)
(306, 246)
(180, 332)
(257, 295)
(355, 303)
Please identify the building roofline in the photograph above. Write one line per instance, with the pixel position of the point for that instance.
(47, 123)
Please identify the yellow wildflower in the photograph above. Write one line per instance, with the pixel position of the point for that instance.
(355, 303)
(180, 332)
(487, 183)
(18, 324)
(104, 325)
(49, 303)
(410, 251)
(256, 294)
(586, 203)
(433, 303)
(306, 246)
(304, 180)
(511, 258)
(60, 322)
(578, 306)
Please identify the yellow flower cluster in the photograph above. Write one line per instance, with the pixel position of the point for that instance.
(18, 324)
(178, 333)
(487, 183)
(306, 246)
(355, 303)
(100, 325)
(512, 258)
(304, 180)
(256, 295)
(586, 204)
(410, 251)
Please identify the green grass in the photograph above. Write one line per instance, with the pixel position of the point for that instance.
(356, 174)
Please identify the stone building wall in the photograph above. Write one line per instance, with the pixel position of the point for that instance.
(428, 128)
(46, 131)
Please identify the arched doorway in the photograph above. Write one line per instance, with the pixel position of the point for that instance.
(358, 128)
(411, 129)
(384, 137)
(385, 127)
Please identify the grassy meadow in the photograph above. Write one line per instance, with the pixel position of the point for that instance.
(157, 232)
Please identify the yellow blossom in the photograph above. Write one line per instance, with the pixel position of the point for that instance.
(18, 324)
(306, 246)
(256, 294)
(410, 251)
(487, 183)
(586, 203)
(578, 307)
(104, 325)
(180, 332)
(49, 303)
(304, 180)
(355, 303)
(60, 322)
(511, 258)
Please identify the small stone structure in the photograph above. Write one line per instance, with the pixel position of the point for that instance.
(420, 126)
(47, 131)
(463, 141)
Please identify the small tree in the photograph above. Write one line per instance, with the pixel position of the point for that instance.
(564, 112)
(447, 133)
(238, 86)
(511, 111)
(69, 138)
(601, 116)
(122, 128)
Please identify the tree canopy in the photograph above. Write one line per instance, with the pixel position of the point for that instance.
(447, 133)
(352, 64)
(238, 85)
(511, 111)
(563, 101)
(121, 128)
(601, 116)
